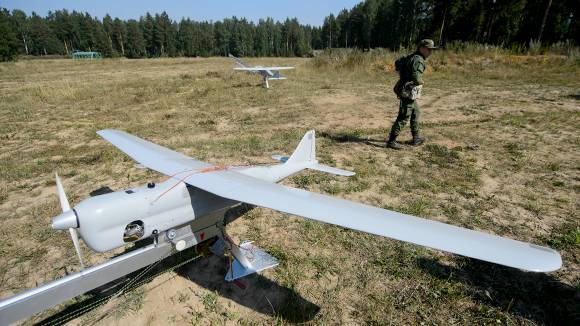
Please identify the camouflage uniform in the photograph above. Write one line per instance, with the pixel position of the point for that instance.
(408, 109)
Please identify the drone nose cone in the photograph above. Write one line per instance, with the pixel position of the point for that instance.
(65, 220)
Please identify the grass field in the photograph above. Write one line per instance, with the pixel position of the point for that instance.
(503, 156)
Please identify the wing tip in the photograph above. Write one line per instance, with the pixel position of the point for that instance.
(550, 262)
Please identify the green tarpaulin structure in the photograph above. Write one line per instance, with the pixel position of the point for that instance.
(86, 55)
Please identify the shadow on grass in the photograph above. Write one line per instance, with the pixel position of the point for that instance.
(536, 296)
(351, 137)
(260, 294)
(346, 137)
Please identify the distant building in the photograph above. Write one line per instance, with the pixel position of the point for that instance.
(86, 55)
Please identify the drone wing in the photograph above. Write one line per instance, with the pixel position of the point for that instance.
(279, 68)
(263, 68)
(356, 216)
(153, 156)
(239, 187)
(238, 61)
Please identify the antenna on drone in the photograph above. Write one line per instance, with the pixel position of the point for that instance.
(67, 216)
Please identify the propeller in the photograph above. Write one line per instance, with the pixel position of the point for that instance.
(68, 219)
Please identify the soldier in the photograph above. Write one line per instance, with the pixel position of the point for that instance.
(408, 89)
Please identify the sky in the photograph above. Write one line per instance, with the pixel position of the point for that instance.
(310, 12)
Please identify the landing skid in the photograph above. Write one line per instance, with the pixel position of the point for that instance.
(248, 259)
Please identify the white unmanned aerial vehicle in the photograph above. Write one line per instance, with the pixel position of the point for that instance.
(268, 73)
(190, 207)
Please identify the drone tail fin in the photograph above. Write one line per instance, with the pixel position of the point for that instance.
(305, 157)
(306, 150)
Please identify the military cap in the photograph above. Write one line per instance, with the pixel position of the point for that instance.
(427, 43)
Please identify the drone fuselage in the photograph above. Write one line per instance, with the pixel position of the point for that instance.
(112, 220)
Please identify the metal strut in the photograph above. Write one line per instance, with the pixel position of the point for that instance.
(247, 258)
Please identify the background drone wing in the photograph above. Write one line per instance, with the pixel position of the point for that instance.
(263, 68)
(279, 68)
(238, 60)
(356, 216)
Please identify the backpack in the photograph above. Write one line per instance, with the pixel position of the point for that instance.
(400, 66)
(401, 63)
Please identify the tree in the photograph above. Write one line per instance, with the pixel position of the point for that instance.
(222, 38)
(135, 46)
(343, 23)
(330, 32)
(108, 29)
(22, 28)
(118, 35)
(261, 39)
(147, 25)
(102, 40)
(42, 39)
(8, 38)
(62, 26)
(163, 36)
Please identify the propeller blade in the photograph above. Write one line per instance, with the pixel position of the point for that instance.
(75, 239)
(61, 195)
(64, 204)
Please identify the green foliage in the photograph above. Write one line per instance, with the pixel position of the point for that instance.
(8, 39)
(135, 47)
(400, 24)
(156, 35)
(397, 25)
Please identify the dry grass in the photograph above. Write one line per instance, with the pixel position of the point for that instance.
(503, 156)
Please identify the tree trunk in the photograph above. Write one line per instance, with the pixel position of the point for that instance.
(544, 20)
(122, 46)
(25, 45)
(330, 37)
(442, 25)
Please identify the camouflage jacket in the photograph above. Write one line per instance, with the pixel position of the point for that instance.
(414, 70)
(411, 74)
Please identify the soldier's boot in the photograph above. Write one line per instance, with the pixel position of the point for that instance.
(392, 142)
(417, 140)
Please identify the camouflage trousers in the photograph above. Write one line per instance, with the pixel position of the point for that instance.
(408, 109)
